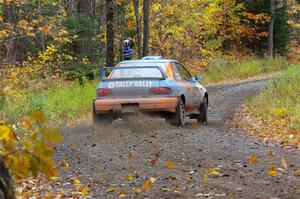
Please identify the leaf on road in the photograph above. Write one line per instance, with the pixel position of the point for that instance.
(153, 163)
(157, 155)
(64, 164)
(128, 178)
(172, 177)
(110, 190)
(130, 156)
(205, 177)
(252, 159)
(147, 185)
(272, 171)
(297, 171)
(85, 191)
(195, 125)
(188, 181)
(170, 165)
(136, 190)
(76, 181)
(284, 163)
(214, 171)
(270, 154)
(73, 147)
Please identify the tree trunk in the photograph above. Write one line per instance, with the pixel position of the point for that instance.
(146, 10)
(110, 32)
(136, 4)
(6, 186)
(271, 29)
(85, 7)
(9, 17)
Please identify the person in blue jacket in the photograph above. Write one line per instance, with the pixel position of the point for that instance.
(127, 50)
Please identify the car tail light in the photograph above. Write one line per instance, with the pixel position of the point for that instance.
(104, 92)
(160, 91)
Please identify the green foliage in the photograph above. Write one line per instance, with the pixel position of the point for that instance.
(281, 101)
(66, 101)
(242, 69)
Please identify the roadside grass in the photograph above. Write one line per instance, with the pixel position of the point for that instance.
(281, 99)
(224, 71)
(60, 103)
(274, 115)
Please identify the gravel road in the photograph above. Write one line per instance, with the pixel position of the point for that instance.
(139, 146)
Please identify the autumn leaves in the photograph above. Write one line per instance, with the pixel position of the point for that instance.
(27, 149)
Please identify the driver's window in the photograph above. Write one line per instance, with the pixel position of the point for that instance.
(183, 72)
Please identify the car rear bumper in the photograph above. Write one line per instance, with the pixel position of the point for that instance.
(167, 104)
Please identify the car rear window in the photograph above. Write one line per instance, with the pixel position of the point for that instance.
(138, 72)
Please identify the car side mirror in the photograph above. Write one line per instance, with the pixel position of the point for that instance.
(197, 78)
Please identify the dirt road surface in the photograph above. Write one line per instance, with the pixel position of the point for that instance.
(140, 146)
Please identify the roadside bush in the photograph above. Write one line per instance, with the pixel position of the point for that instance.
(242, 69)
(281, 99)
(60, 103)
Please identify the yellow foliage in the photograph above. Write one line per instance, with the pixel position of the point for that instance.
(28, 151)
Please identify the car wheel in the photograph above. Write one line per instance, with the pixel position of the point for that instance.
(178, 119)
(203, 112)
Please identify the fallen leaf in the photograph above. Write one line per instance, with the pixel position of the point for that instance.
(297, 171)
(85, 191)
(73, 147)
(170, 165)
(214, 171)
(110, 190)
(153, 163)
(147, 185)
(194, 125)
(270, 154)
(130, 157)
(128, 178)
(76, 181)
(121, 194)
(64, 164)
(205, 177)
(26, 124)
(272, 171)
(252, 159)
(157, 155)
(152, 180)
(172, 177)
(284, 163)
(136, 190)
(188, 181)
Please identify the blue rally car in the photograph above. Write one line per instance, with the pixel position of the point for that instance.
(151, 84)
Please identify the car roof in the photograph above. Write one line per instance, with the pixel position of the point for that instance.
(148, 61)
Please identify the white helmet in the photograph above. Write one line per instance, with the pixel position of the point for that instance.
(126, 42)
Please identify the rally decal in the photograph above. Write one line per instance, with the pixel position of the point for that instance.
(129, 84)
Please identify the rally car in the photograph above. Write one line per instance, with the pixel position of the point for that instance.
(151, 84)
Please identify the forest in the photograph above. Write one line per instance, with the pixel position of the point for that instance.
(51, 52)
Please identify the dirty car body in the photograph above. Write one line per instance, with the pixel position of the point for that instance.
(157, 85)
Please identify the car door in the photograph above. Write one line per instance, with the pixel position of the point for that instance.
(192, 88)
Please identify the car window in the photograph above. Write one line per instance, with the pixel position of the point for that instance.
(136, 73)
(177, 73)
(184, 74)
(162, 65)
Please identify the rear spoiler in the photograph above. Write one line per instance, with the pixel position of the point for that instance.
(103, 72)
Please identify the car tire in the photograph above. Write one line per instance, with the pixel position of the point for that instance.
(178, 118)
(202, 118)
